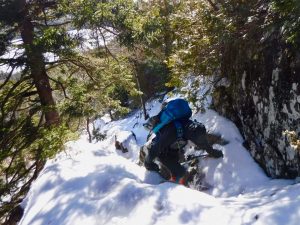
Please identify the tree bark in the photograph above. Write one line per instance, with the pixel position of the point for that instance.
(88, 129)
(167, 31)
(35, 60)
(146, 116)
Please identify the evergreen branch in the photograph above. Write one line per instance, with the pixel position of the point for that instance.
(51, 25)
(213, 5)
(75, 62)
(7, 78)
(61, 85)
(84, 67)
(45, 16)
(108, 30)
(10, 93)
(28, 107)
(12, 135)
(105, 46)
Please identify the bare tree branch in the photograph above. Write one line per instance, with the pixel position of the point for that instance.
(7, 78)
(106, 48)
(61, 85)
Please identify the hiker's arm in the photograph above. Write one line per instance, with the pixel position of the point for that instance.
(214, 153)
(196, 132)
(209, 149)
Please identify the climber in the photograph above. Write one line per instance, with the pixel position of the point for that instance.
(169, 132)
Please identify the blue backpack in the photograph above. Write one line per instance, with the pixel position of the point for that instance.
(174, 110)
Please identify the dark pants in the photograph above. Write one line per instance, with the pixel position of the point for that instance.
(171, 162)
(159, 147)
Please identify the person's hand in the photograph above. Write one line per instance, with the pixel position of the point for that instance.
(215, 153)
(152, 166)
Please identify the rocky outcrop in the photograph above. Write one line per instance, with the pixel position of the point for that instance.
(264, 102)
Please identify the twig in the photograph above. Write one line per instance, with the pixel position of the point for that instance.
(61, 85)
(106, 48)
(7, 78)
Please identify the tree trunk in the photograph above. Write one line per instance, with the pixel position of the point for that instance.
(88, 129)
(146, 116)
(35, 60)
(167, 31)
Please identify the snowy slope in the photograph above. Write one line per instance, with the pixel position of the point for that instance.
(95, 184)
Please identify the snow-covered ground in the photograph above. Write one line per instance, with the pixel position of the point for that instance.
(96, 184)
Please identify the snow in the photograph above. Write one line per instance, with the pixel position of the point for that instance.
(12, 52)
(90, 39)
(93, 183)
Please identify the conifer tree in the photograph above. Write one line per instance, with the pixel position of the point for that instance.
(49, 86)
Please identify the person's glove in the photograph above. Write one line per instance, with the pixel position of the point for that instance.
(151, 166)
(215, 153)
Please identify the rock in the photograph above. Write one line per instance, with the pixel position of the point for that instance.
(265, 106)
(123, 139)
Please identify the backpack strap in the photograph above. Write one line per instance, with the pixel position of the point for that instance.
(165, 118)
(179, 128)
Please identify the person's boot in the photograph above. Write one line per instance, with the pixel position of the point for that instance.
(172, 179)
(182, 181)
(178, 180)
